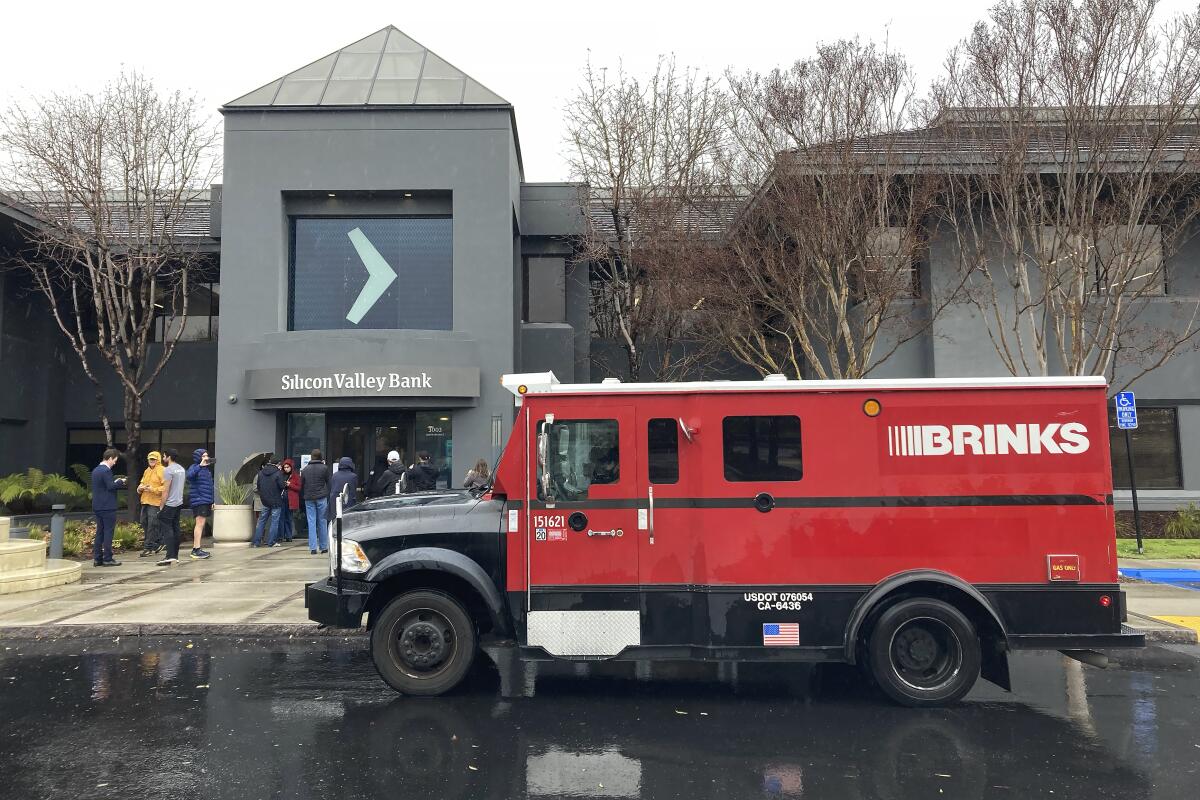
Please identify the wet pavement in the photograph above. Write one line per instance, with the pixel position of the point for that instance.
(221, 718)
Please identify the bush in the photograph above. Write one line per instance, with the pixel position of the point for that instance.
(230, 492)
(1154, 525)
(34, 490)
(77, 540)
(1185, 524)
(127, 536)
(80, 535)
(38, 532)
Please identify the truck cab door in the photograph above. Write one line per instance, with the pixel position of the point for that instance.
(584, 597)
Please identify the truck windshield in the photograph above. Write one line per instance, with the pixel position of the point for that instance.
(581, 453)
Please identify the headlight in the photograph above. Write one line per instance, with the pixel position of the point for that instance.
(353, 557)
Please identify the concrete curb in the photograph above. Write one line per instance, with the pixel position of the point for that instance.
(1159, 632)
(131, 629)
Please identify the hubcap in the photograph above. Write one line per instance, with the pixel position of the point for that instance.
(423, 642)
(926, 654)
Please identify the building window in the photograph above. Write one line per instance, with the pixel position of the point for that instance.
(203, 316)
(305, 433)
(433, 433)
(371, 272)
(662, 438)
(1117, 259)
(1156, 457)
(761, 448)
(580, 453)
(86, 446)
(891, 268)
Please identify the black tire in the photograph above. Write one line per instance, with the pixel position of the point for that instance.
(423, 643)
(923, 653)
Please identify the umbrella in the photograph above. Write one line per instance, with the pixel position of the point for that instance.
(250, 467)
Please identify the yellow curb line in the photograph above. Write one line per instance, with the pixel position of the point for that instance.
(1185, 622)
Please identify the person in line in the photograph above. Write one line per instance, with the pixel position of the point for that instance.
(478, 478)
(200, 497)
(314, 490)
(271, 487)
(387, 481)
(104, 506)
(150, 496)
(291, 499)
(344, 479)
(174, 477)
(421, 476)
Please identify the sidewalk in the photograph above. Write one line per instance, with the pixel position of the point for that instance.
(1166, 613)
(240, 591)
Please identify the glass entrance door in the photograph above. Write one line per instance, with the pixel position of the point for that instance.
(347, 438)
(368, 437)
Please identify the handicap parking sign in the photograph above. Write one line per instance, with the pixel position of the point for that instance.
(1126, 411)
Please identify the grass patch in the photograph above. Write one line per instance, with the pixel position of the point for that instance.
(1159, 548)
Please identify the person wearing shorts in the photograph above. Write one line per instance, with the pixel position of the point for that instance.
(200, 497)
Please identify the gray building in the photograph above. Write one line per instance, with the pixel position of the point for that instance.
(377, 243)
(382, 262)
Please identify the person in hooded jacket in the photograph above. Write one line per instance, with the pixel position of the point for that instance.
(291, 500)
(386, 483)
(271, 486)
(200, 496)
(345, 478)
(314, 491)
(420, 477)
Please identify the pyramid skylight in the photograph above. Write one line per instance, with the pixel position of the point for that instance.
(386, 68)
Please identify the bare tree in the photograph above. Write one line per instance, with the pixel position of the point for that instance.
(1073, 129)
(110, 177)
(645, 150)
(817, 277)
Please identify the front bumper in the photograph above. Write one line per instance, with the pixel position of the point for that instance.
(327, 607)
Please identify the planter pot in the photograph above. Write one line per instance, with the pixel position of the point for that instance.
(232, 523)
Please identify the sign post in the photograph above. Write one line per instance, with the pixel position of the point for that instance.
(1127, 421)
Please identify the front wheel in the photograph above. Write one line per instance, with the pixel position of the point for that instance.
(924, 652)
(423, 643)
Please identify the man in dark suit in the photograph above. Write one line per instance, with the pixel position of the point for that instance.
(104, 506)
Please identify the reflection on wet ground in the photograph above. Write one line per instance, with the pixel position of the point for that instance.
(217, 719)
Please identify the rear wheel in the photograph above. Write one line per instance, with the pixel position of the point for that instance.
(924, 652)
(423, 643)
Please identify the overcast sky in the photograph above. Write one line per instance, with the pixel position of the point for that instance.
(530, 53)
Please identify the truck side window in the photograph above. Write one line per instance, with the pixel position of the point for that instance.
(761, 448)
(662, 449)
(581, 453)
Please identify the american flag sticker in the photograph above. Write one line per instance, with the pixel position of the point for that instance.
(781, 634)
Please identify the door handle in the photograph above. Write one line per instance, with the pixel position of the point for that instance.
(611, 534)
(650, 515)
(764, 502)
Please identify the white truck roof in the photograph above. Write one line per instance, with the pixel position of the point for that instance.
(524, 383)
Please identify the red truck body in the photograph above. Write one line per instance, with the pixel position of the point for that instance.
(997, 492)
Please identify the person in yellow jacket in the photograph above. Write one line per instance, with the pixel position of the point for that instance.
(150, 491)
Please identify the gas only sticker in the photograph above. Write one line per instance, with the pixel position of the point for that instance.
(778, 601)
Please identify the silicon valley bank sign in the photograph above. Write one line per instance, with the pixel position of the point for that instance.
(372, 381)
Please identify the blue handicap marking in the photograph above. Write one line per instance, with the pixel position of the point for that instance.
(1126, 411)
